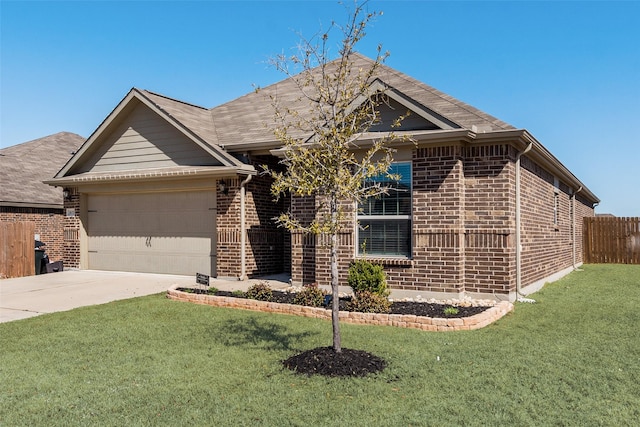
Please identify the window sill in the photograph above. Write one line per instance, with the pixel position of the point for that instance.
(398, 262)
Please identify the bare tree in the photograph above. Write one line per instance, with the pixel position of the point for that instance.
(323, 153)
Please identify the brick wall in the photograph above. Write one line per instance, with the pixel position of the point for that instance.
(72, 225)
(489, 192)
(49, 224)
(267, 247)
(228, 229)
(547, 223)
(464, 225)
(438, 219)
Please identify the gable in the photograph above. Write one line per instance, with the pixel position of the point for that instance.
(390, 110)
(142, 139)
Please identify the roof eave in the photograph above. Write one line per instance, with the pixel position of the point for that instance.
(152, 175)
(32, 205)
(521, 138)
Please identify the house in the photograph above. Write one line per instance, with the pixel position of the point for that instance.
(24, 197)
(164, 186)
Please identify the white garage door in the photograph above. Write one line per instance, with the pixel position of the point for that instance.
(171, 233)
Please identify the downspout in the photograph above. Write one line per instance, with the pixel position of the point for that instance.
(573, 228)
(519, 295)
(243, 231)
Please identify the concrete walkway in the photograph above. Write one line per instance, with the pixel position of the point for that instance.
(25, 297)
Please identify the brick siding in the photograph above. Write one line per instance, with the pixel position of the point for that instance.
(463, 221)
(267, 246)
(72, 226)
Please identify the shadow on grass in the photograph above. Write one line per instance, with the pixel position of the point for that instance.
(249, 331)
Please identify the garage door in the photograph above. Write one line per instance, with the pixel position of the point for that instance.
(171, 233)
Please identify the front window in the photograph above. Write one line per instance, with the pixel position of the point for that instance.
(385, 220)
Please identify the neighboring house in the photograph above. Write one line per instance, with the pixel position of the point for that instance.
(168, 187)
(24, 196)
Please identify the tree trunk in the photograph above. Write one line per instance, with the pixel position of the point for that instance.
(335, 306)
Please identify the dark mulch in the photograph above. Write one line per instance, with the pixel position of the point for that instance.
(352, 363)
(325, 361)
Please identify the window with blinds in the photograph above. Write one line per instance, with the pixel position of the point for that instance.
(385, 220)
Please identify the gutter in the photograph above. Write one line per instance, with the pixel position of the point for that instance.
(148, 175)
(519, 295)
(243, 231)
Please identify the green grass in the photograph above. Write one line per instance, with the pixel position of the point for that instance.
(573, 358)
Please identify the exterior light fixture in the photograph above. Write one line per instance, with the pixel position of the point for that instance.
(224, 189)
(66, 193)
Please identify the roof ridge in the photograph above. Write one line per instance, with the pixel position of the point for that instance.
(40, 140)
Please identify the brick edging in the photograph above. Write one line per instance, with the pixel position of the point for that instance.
(477, 321)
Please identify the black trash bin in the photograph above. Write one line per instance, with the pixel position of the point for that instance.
(41, 258)
(40, 265)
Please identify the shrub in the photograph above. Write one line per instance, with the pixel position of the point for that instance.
(260, 291)
(365, 276)
(369, 302)
(238, 293)
(212, 290)
(451, 311)
(311, 295)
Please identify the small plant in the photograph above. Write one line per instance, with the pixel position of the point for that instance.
(311, 295)
(365, 276)
(260, 291)
(369, 302)
(212, 290)
(238, 293)
(451, 311)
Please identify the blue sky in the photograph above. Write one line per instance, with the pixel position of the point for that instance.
(569, 72)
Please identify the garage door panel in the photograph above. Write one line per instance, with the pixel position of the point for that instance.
(152, 225)
(184, 264)
(153, 232)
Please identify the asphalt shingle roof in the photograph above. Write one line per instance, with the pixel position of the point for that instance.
(23, 167)
(247, 120)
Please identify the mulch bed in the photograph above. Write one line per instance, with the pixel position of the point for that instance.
(397, 307)
(353, 363)
(325, 361)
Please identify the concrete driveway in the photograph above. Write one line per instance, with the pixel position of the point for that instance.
(47, 293)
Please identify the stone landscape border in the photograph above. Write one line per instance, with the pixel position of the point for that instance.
(477, 321)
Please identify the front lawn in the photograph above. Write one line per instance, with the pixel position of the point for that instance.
(573, 358)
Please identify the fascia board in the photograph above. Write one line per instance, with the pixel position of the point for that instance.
(422, 111)
(31, 205)
(151, 175)
(521, 138)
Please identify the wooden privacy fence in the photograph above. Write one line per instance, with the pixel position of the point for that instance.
(17, 255)
(611, 240)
